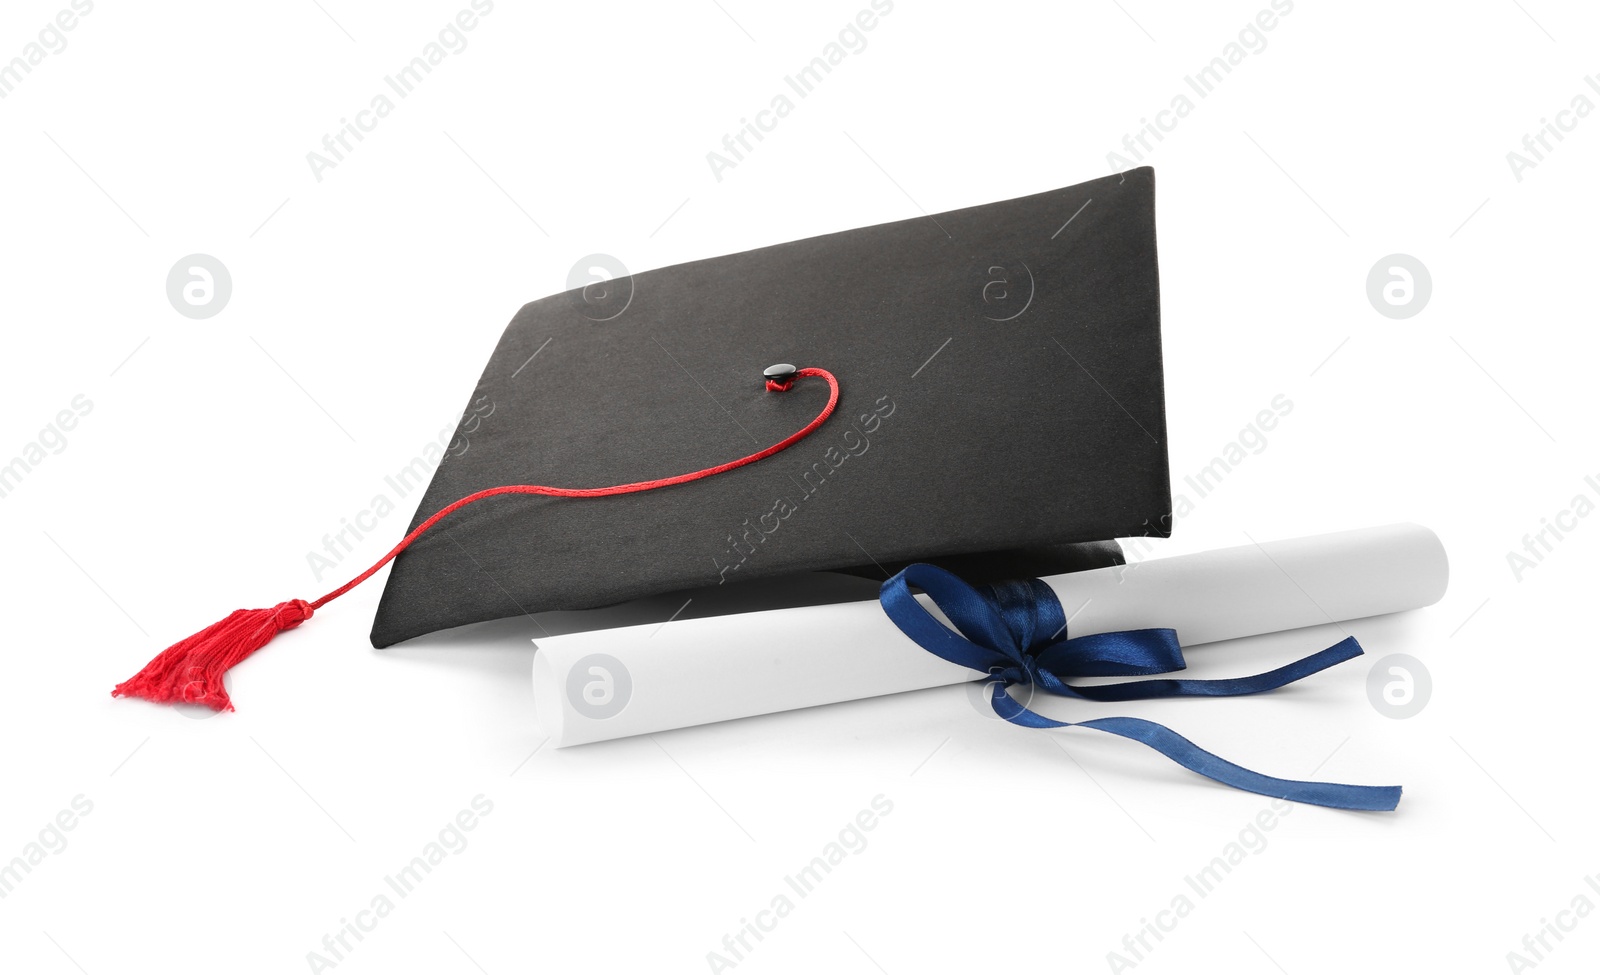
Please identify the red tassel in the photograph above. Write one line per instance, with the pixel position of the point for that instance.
(191, 670)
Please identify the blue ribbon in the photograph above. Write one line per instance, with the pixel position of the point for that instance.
(1017, 633)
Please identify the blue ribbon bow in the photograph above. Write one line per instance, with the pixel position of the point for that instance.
(1017, 633)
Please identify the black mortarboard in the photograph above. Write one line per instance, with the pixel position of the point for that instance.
(999, 398)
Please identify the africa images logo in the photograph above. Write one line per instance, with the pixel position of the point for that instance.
(599, 686)
(753, 532)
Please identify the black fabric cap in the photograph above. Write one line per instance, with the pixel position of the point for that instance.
(1001, 381)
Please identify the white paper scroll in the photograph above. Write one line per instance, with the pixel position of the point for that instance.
(636, 680)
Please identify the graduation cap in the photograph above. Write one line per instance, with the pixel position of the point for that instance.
(981, 387)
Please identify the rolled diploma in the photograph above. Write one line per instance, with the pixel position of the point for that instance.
(699, 671)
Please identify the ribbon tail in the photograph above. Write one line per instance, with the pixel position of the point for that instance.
(1335, 795)
(1346, 649)
(1271, 680)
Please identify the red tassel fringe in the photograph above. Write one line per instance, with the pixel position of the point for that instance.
(190, 671)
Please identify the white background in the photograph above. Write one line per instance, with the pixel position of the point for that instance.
(219, 451)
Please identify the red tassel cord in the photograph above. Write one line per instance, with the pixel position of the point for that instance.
(191, 670)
